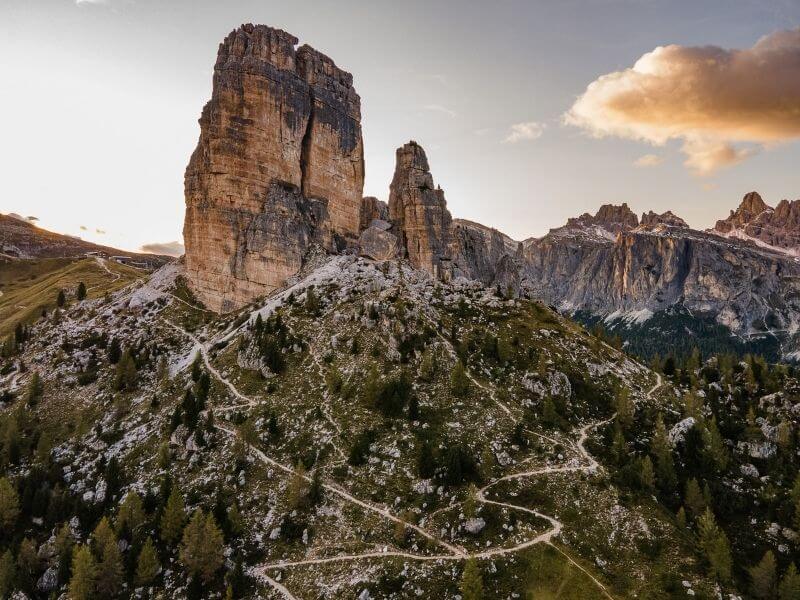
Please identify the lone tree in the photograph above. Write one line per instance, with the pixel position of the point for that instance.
(202, 547)
(459, 382)
(61, 299)
(80, 294)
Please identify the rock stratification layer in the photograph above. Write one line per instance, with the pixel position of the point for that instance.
(419, 211)
(279, 165)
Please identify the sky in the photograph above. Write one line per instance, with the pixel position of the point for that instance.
(530, 111)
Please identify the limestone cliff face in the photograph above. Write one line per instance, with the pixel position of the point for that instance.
(480, 253)
(739, 283)
(419, 212)
(279, 165)
(371, 209)
(754, 219)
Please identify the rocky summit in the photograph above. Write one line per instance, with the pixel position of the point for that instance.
(279, 166)
(777, 227)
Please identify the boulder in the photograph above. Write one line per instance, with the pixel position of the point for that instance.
(378, 243)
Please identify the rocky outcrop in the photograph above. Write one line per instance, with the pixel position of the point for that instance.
(371, 209)
(377, 242)
(279, 165)
(609, 217)
(754, 219)
(419, 212)
(477, 252)
(651, 220)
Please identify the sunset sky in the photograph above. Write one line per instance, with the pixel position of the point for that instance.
(530, 111)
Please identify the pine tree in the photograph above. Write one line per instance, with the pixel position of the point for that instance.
(131, 515)
(549, 413)
(235, 521)
(715, 547)
(372, 388)
(459, 381)
(469, 503)
(80, 294)
(662, 452)
(7, 574)
(647, 476)
(9, 505)
(110, 571)
(148, 566)
(763, 577)
(173, 518)
(428, 366)
(84, 572)
(35, 389)
(789, 589)
(312, 302)
(202, 547)
(61, 299)
(716, 446)
(619, 447)
(693, 498)
(298, 488)
(471, 581)
(125, 378)
(681, 518)
(625, 407)
(426, 462)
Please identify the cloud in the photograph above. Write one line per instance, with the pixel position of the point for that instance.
(81, 2)
(100, 231)
(84, 228)
(520, 132)
(168, 248)
(718, 102)
(648, 160)
(440, 109)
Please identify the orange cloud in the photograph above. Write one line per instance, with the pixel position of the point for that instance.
(718, 102)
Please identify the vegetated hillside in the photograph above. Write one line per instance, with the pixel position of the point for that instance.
(20, 239)
(30, 287)
(366, 432)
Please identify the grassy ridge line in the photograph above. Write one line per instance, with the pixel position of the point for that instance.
(29, 286)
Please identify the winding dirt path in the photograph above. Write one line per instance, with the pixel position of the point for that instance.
(454, 553)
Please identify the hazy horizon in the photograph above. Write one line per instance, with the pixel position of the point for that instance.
(524, 109)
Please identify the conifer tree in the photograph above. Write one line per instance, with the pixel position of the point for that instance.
(202, 547)
(715, 547)
(625, 408)
(459, 381)
(764, 578)
(110, 571)
(662, 452)
(426, 462)
(789, 588)
(131, 514)
(471, 581)
(298, 487)
(35, 389)
(114, 351)
(173, 518)
(693, 498)
(125, 378)
(84, 572)
(7, 574)
(716, 446)
(9, 505)
(61, 299)
(80, 294)
(647, 475)
(148, 565)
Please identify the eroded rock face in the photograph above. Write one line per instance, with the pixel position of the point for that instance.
(778, 227)
(279, 165)
(478, 253)
(419, 212)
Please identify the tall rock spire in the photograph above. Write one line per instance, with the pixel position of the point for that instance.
(278, 166)
(419, 211)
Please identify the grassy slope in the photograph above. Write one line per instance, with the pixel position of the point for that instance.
(29, 286)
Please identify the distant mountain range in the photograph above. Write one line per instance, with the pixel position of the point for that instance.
(21, 239)
(730, 288)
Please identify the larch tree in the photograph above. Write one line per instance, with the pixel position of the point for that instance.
(84, 572)
(471, 581)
